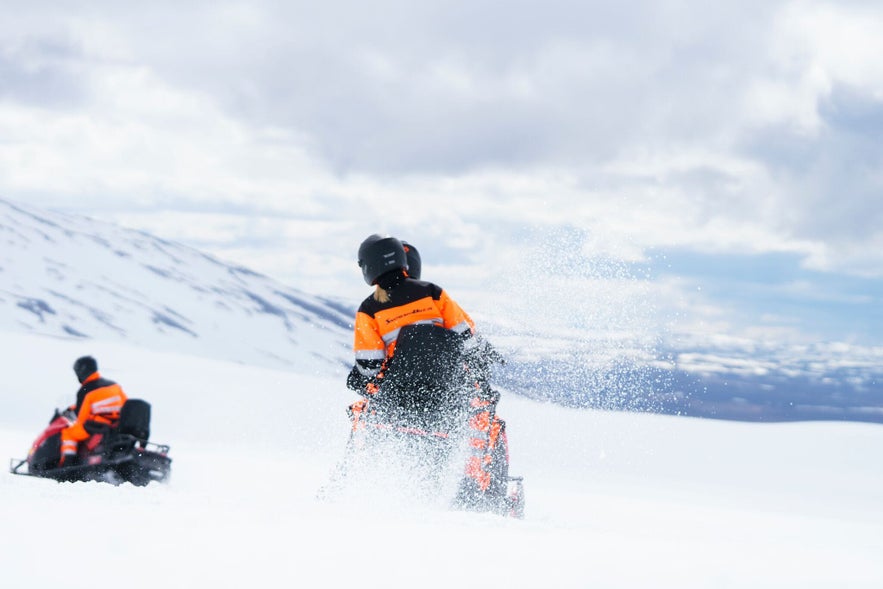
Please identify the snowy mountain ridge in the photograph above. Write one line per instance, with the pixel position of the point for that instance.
(76, 277)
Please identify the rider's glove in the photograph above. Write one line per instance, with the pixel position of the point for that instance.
(356, 381)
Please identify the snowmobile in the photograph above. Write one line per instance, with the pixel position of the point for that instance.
(112, 454)
(421, 422)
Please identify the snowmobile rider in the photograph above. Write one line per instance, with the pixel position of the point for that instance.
(98, 400)
(401, 299)
(398, 300)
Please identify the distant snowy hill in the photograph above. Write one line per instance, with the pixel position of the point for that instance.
(76, 277)
(760, 380)
(722, 378)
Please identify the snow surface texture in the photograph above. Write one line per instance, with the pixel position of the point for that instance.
(613, 499)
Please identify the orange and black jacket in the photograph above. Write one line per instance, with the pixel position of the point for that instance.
(378, 323)
(94, 382)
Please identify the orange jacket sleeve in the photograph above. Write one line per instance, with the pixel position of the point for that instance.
(454, 316)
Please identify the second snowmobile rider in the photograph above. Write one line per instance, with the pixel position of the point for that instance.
(397, 301)
(99, 400)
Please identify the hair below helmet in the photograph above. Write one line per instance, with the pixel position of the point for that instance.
(413, 257)
(84, 367)
(379, 255)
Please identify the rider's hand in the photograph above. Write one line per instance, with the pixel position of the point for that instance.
(356, 381)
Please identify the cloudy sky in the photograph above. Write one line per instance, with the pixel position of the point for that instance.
(722, 161)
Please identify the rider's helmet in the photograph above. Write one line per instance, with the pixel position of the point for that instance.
(413, 257)
(85, 367)
(379, 255)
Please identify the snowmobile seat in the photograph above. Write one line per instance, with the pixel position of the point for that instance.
(135, 420)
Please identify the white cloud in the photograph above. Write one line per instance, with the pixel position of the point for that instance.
(840, 39)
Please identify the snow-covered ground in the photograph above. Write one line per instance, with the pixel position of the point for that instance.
(613, 499)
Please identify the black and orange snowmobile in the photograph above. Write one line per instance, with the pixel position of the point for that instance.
(433, 423)
(112, 454)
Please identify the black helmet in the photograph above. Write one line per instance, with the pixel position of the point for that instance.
(379, 255)
(413, 257)
(85, 367)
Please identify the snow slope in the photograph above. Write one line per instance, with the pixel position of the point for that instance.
(613, 499)
(75, 276)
